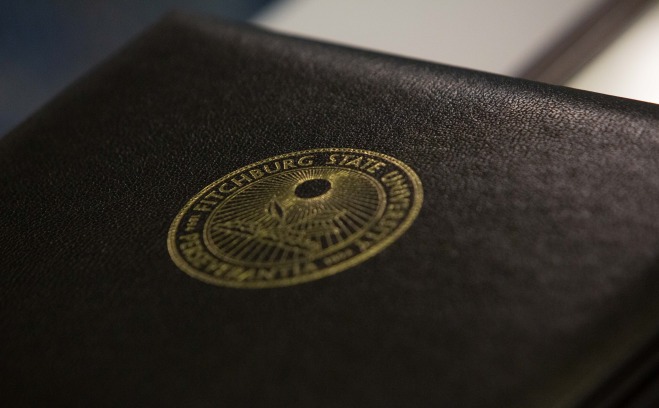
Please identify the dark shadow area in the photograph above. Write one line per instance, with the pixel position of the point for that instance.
(46, 44)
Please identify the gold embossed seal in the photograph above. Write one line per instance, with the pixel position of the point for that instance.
(295, 218)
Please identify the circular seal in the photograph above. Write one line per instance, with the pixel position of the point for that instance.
(294, 218)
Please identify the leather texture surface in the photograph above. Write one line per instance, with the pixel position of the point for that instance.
(529, 278)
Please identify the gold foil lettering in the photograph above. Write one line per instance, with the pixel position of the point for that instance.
(243, 178)
(256, 174)
(260, 228)
(305, 161)
(289, 164)
(268, 170)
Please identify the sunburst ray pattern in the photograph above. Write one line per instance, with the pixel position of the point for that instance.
(267, 222)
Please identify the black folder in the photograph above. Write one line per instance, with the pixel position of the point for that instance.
(529, 278)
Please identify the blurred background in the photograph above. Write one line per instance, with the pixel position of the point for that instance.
(607, 46)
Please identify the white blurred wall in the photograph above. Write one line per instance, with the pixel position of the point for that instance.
(630, 66)
(501, 36)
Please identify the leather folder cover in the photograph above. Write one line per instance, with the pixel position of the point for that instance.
(529, 278)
